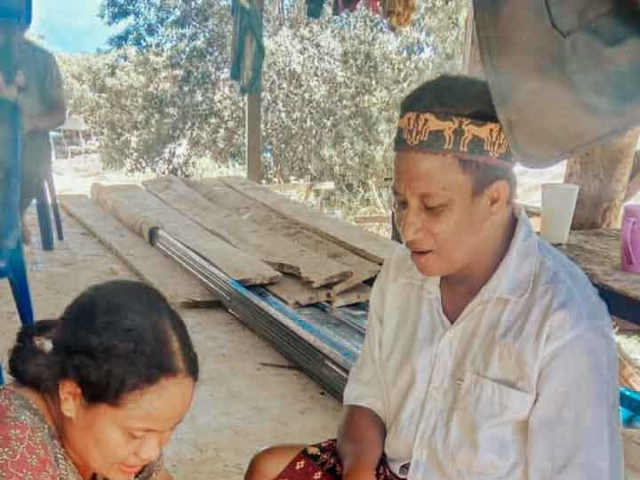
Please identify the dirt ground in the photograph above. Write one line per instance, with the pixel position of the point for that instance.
(240, 405)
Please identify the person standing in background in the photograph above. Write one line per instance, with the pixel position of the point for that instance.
(38, 87)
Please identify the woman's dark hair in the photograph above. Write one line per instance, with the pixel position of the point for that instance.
(114, 339)
(466, 97)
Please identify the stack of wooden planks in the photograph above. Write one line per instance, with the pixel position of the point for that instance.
(252, 234)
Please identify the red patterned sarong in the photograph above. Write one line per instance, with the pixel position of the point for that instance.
(322, 462)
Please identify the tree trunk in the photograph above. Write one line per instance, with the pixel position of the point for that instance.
(603, 175)
(634, 180)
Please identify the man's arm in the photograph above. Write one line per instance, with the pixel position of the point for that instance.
(574, 429)
(362, 431)
(52, 92)
(360, 442)
(47, 121)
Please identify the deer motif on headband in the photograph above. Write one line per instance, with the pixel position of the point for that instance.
(455, 136)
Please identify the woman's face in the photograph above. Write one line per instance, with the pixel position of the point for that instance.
(441, 221)
(117, 442)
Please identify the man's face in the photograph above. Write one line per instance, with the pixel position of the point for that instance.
(441, 221)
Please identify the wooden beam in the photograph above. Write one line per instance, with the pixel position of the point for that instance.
(351, 237)
(180, 287)
(472, 61)
(141, 211)
(281, 253)
(253, 130)
(219, 194)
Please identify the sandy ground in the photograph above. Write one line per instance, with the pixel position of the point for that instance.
(240, 404)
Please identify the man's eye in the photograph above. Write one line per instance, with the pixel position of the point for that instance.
(136, 435)
(402, 205)
(435, 208)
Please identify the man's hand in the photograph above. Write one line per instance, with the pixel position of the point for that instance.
(360, 442)
(8, 92)
(359, 474)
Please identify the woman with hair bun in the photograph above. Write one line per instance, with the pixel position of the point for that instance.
(98, 393)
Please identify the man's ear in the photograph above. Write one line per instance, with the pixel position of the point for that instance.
(498, 196)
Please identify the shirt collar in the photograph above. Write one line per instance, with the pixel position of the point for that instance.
(514, 276)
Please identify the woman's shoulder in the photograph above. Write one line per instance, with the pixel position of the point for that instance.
(28, 447)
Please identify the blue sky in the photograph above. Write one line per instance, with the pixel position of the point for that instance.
(70, 26)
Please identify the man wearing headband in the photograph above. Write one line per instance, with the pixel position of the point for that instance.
(37, 84)
(488, 354)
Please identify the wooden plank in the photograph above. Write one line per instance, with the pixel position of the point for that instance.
(631, 441)
(372, 219)
(359, 294)
(628, 374)
(276, 250)
(623, 326)
(296, 294)
(181, 288)
(218, 193)
(597, 252)
(141, 211)
(366, 244)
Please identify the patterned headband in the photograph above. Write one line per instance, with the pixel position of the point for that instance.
(454, 136)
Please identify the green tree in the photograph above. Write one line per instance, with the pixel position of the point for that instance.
(162, 98)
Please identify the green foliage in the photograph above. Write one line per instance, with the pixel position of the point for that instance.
(162, 101)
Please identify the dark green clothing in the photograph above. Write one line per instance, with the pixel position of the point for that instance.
(42, 91)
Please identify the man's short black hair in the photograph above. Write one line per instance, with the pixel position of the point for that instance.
(465, 97)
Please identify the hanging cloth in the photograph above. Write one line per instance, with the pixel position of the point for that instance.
(398, 12)
(340, 6)
(247, 56)
(315, 8)
(373, 6)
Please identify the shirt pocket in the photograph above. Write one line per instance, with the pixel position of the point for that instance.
(486, 429)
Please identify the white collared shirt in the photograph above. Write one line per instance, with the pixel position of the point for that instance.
(524, 385)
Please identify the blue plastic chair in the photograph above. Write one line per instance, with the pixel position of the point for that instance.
(12, 263)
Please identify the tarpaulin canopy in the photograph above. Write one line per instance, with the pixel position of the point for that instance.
(563, 74)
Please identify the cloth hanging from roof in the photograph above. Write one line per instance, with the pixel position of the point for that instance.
(340, 6)
(248, 47)
(373, 6)
(315, 8)
(398, 12)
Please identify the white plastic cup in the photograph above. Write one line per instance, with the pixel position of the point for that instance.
(558, 206)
